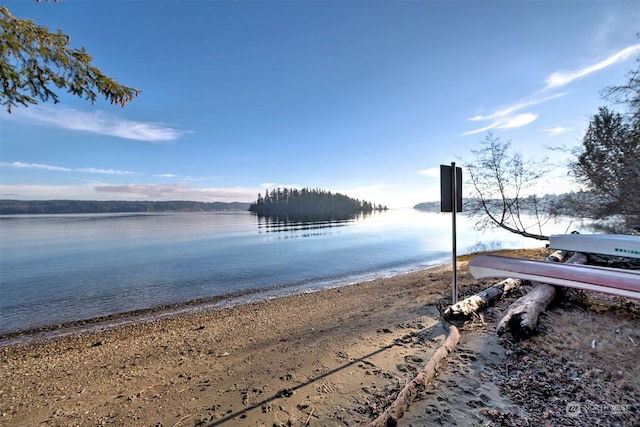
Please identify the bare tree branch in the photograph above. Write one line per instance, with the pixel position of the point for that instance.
(500, 178)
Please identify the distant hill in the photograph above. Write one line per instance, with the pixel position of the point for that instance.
(429, 206)
(17, 207)
(559, 204)
(435, 206)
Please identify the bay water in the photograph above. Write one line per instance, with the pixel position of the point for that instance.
(56, 269)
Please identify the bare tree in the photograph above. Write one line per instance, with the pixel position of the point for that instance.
(500, 179)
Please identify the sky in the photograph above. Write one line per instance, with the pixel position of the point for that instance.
(365, 98)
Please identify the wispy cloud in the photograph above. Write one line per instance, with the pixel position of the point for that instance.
(507, 111)
(504, 118)
(360, 190)
(176, 191)
(47, 192)
(562, 78)
(558, 130)
(53, 168)
(609, 24)
(506, 122)
(517, 121)
(100, 123)
(274, 185)
(102, 191)
(431, 172)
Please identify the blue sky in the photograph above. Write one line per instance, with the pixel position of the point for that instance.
(366, 98)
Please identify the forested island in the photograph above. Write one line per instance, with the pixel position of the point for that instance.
(19, 207)
(310, 204)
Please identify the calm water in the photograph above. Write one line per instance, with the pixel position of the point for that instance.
(61, 268)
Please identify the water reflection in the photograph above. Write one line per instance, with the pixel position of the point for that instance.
(314, 225)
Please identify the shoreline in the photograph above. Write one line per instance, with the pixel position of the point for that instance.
(182, 308)
(230, 365)
(330, 358)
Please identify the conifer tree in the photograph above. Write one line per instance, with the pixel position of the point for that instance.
(35, 61)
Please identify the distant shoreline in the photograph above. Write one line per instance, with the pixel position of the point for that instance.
(36, 207)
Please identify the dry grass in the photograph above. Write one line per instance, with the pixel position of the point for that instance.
(534, 253)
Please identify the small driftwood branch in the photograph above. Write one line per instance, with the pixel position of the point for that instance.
(406, 396)
(557, 256)
(481, 300)
(522, 316)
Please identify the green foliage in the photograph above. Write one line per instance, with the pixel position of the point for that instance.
(306, 204)
(608, 164)
(608, 161)
(33, 60)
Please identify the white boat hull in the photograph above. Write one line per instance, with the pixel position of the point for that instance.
(604, 244)
(613, 281)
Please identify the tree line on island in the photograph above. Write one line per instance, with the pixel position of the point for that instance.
(310, 204)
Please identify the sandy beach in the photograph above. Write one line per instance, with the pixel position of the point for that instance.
(335, 358)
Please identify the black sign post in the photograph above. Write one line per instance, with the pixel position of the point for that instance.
(451, 201)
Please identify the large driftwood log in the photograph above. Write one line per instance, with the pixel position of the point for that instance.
(491, 295)
(481, 300)
(522, 316)
(406, 396)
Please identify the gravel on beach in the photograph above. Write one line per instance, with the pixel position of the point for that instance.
(333, 358)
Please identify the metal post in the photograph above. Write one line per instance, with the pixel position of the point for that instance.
(454, 206)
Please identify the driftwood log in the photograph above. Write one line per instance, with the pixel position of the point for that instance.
(406, 396)
(481, 300)
(491, 295)
(522, 316)
(521, 319)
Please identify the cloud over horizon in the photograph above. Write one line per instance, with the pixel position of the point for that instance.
(53, 168)
(99, 122)
(431, 172)
(144, 192)
(177, 191)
